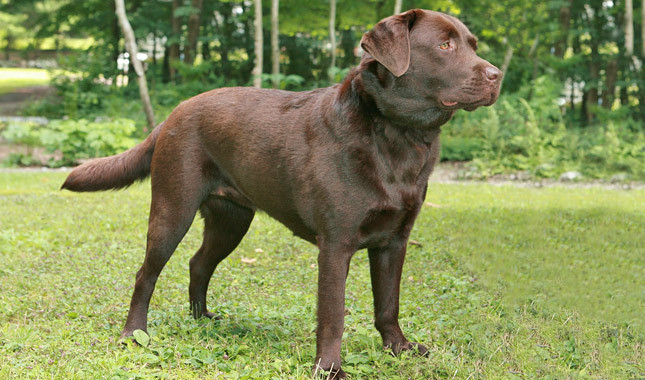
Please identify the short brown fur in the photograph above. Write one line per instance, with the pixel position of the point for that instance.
(344, 167)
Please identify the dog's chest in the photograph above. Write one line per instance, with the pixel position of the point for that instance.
(403, 176)
(393, 211)
(390, 218)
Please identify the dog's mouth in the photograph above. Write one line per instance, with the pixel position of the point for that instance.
(450, 105)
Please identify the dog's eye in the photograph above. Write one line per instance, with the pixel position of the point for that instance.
(444, 46)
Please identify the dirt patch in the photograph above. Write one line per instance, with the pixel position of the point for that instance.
(453, 172)
(13, 102)
(40, 155)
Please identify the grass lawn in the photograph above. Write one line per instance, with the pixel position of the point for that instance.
(12, 79)
(508, 283)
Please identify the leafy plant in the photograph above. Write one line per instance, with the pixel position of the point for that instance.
(74, 139)
(80, 139)
(287, 82)
(457, 148)
(517, 134)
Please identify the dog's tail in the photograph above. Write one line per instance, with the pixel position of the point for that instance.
(114, 172)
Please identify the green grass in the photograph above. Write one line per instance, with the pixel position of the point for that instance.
(12, 79)
(508, 283)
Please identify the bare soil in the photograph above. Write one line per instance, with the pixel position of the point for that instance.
(13, 102)
(10, 106)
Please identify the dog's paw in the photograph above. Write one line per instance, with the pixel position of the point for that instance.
(137, 337)
(415, 348)
(210, 315)
(333, 374)
(203, 313)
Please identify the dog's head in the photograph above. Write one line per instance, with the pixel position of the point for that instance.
(427, 67)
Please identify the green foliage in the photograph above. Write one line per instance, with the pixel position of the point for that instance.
(12, 79)
(560, 49)
(73, 139)
(80, 139)
(507, 283)
(286, 82)
(520, 135)
(25, 133)
(20, 159)
(457, 148)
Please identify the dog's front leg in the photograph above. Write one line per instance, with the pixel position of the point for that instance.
(333, 265)
(386, 265)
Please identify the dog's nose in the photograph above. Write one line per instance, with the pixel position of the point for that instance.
(492, 73)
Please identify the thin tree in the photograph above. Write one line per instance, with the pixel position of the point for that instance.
(629, 28)
(564, 21)
(194, 22)
(397, 6)
(642, 89)
(275, 43)
(259, 42)
(173, 49)
(332, 38)
(131, 47)
(643, 31)
(507, 57)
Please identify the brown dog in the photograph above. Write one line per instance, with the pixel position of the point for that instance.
(344, 167)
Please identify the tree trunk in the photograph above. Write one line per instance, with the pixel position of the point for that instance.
(642, 87)
(206, 51)
(629, 28)
(259, 43)
(507, 58)
(194, 22)
(116, 40)
(246, 71)
(565, 19)
(379, 9)
(131, 45)
(611, 75)
(583, 107)
(332, 38)
(572, 95)
(397, 6)
(592, 86)
(643, 30)
(536, 63)
(165, 65)
(154, 50)
(275, 43)
(173, 52)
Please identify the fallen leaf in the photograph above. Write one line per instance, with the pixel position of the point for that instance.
(414, 242)
(248, 261)
(141, 337)
(430, 204)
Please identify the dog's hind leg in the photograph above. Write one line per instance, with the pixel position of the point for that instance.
(176, 196)
(225, 224)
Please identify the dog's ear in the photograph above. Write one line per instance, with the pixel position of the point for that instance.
(389, 42)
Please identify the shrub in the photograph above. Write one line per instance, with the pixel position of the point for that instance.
(456, 148)
(73, 139)
(520, 135)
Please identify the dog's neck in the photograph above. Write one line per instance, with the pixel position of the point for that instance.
(367, 90)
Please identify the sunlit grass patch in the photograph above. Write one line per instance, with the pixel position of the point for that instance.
(497, 288)
(12, 79)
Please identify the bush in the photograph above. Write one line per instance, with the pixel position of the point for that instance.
(519, 135)
(81, 139)
(456, 148)
(73, 139)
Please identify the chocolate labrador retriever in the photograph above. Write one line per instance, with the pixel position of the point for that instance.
(344, 167)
